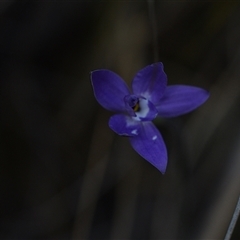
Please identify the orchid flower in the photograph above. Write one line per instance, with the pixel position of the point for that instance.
(135, 109)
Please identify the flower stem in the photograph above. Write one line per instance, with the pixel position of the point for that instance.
(233, 221)
(152, 16)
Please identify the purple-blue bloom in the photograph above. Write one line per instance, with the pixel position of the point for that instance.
(150, 97)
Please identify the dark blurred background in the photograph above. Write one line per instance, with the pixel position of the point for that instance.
(64, 173)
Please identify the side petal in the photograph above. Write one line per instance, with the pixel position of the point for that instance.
(150, 82)
(124, 125)
(150, 145)
(109, 89)
(181, 99)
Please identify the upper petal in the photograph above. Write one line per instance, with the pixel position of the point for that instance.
(109, 89)
(150, 145)
(150, 82)
(124, 125)
(181, 99)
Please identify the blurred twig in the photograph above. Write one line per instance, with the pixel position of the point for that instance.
(233, 221)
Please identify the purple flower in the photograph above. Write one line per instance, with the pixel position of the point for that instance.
(150, 97)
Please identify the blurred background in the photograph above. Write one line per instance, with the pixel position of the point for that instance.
(64, 174)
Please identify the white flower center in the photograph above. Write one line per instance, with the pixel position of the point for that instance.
(143, 109)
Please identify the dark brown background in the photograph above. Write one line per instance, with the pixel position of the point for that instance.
(64, 173)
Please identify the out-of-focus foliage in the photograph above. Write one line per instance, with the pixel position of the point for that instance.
(64, 174)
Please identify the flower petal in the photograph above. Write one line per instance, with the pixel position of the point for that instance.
(150, 82)
(181, 99)
(124, 125)
(150, 145)
(109, 89)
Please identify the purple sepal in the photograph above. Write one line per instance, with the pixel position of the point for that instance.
(124, 125)
(150, 145)
(181, 99)
(150, 82)
(109, 90)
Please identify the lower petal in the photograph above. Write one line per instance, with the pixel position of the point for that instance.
(150, 145)
(124, 125)
(181, 99)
